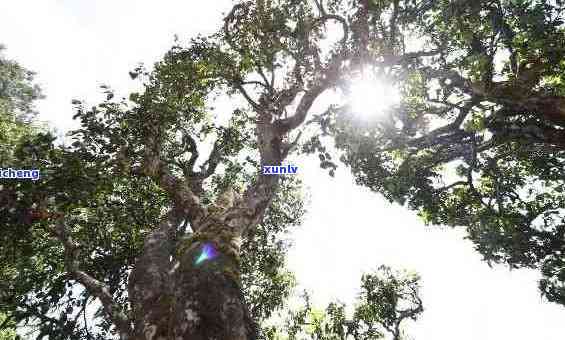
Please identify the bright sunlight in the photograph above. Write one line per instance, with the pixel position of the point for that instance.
(370, 96)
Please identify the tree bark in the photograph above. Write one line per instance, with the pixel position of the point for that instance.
(208, 300)
(551, 108)
(149, 283)
(195, 293)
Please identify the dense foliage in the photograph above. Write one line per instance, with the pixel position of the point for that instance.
(476, 141)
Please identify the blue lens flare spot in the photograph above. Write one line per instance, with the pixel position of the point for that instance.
(208, 253)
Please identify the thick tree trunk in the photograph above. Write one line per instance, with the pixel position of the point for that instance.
(196, 297)
(208, 300)
(190, 290)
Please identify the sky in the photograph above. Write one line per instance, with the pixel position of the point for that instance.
(75, 46)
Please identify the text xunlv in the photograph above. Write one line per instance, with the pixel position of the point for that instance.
(279, 169)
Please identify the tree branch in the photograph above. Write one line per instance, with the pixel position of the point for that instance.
(474, 191)
(393, 19)
(390, 60)
(254, 82)
(454, 184)
(227, 20)
(290, 123)
(342, 21)
(93, 286)
(320, 6)
(191, 143)
(85, 320)
(363, 30)
(264, 77)
(213, 161)
(249, 210)
(248, 98)
(188, 146)
(178, 190)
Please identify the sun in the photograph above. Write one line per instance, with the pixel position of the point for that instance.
(370, 96)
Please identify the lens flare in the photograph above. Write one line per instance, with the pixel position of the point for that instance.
(370, 95)
(208, 253)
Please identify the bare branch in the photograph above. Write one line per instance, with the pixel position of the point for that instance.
(440, 136)
(461, 151)
(178, 190)
(406, 57)
(329, 76)
(290, 123)
(188, 146)
(264, 77)
(453, 127)
(272, 83)
(191, 147)
(456, 80)
(288, 147)
(320, 6)
(254, 82)
(85, 320)
(324, 18)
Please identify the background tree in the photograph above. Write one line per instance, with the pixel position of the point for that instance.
(17, 96)
(386, 300)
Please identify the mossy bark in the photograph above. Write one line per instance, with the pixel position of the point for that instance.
(201, 297)
(208, 300)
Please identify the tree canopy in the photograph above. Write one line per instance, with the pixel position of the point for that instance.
(478, 138)
(160, 213)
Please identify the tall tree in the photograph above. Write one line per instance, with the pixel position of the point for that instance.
(132, 215)
(184, 282)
